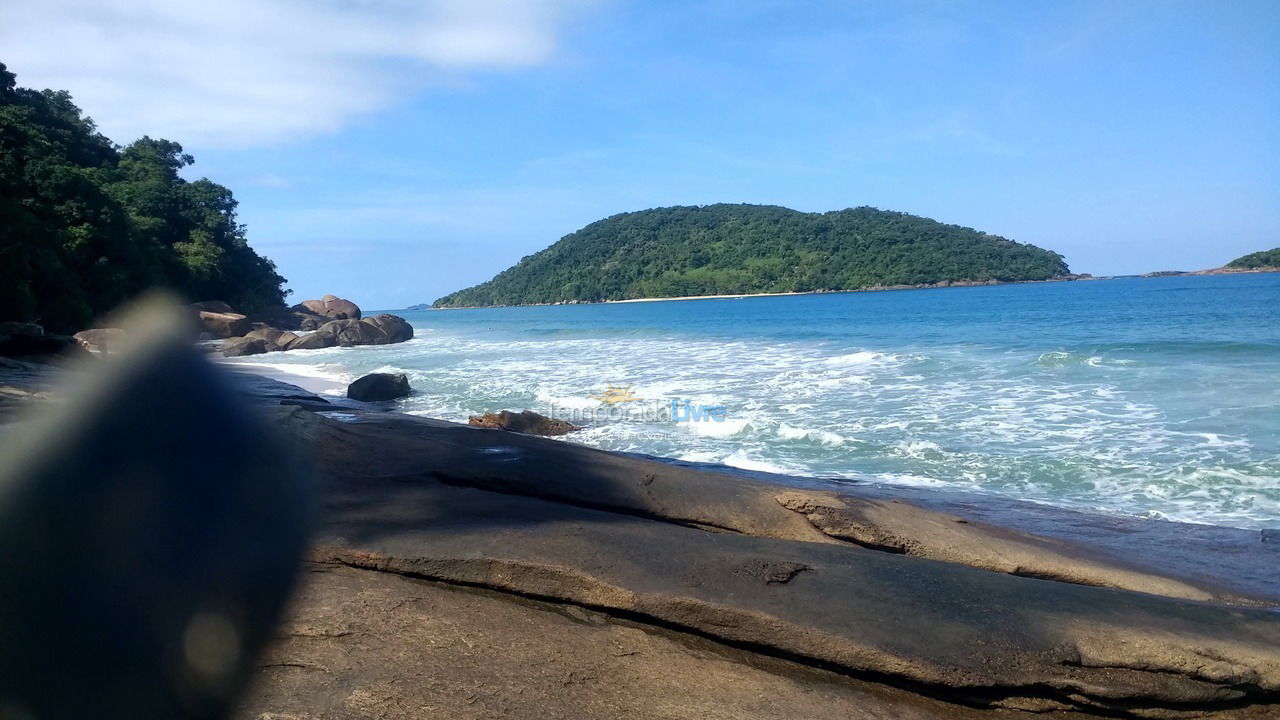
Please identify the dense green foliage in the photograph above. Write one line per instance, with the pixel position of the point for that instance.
(1260, 259)
(731, 249)
(86, 225)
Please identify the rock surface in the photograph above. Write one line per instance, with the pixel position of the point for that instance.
(241, 346)
(274, 338)
(331, 307)
(376, 645)
(642, 541)
(377, 330)
(528, 422)
(222, 325)
(379, 386)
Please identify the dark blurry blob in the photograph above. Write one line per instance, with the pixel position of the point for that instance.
(151, 529)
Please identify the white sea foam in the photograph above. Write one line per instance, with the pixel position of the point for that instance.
(716, 428)
(1082, 426)
(826, 437)
(741, 461)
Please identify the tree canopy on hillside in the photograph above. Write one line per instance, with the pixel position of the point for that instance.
(1260, 259)
(86, 224)
(739, 249)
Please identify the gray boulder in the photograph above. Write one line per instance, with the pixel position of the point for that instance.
(378, 330)
(237, 347)
(331, 307)
(312, 341)
(274, 338)
(309, 320)
(379, 386)
(395, 328)
(223, 324)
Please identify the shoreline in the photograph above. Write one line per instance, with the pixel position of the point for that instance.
(945, 284)
(1118, 533)
(922, 604)
(1212, 272)
(866, 582)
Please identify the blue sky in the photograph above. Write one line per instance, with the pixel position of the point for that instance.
(391, 153)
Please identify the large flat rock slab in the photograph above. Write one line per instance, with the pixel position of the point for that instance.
(948, 630)
(563, 472)
(364, 644)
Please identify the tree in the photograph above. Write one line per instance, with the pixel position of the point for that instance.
(86, 225)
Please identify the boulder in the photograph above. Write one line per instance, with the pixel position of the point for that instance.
(377, 330)
(100, 340)
(287, 318)
(379, 386)
(330, 306)
(274, 338)
(528, 422)
(237, 347)
(312, 341)
(19, 338)
(396, 328)
(308, 320)
(223, 324)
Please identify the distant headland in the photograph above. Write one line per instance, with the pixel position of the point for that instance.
(719, 250)
(1259, 262)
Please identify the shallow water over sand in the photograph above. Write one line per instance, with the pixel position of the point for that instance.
(1155, 397)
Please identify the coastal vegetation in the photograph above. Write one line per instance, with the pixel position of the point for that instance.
(743, 249)
(86, 224)
(1261, 259)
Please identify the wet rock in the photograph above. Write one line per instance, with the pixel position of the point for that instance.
(312, 341)
(237, 347)
(379, 386)
(527, 422)
(274, 338)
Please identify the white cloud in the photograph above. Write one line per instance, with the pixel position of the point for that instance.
(255, 72)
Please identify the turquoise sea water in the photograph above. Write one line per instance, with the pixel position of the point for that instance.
(1156, 397)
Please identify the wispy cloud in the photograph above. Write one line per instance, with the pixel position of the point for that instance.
(254, 72)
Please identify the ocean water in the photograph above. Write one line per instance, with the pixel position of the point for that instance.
(1149, 397)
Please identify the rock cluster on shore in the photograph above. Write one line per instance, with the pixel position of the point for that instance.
(329, 322)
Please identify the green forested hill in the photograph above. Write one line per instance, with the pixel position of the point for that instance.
(86, 224)
(1260, 259)
(731, 249)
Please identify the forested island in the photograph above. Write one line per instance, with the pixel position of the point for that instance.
(746, 249)
(86, 224)
(1255, 261)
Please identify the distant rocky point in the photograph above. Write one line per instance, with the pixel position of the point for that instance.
(1263, 261)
